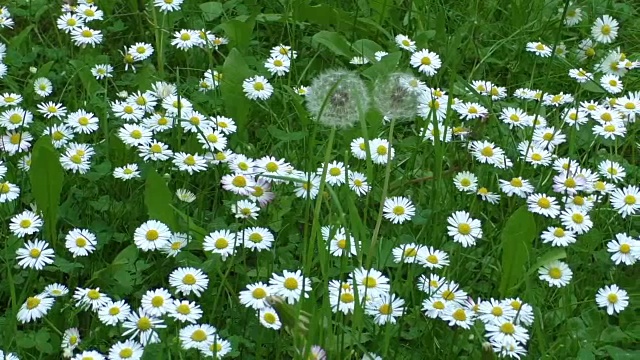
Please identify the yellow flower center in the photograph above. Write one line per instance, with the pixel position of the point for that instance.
(189, 279)
(410, 252)
(464, 229)
(432, 259)
(58, 135)
(15, 118)
(406, 42)
(33, 302)
(259, 293)
(71, 22)
(15, 138)
(606, 117)
(555, 273)
(448, 295)
(212, 138)
(342, 244)
(398, 210)
(126, 353)
(272, 167)
(539, 47)
(613, 83)
(630, 200)
(73, 339)
(487, 151)
(190, 160)
(76, 159)
(81, 242)
(439, 305)
(152, 235)
(239, 181)
(4, 188)
(536, 157)
(269, 318)
(612, 298)
(507, 328)
(114, 311)
(606, 29)
(473, 110)
(544, 203)
(34, 253)
(425, 61)
(183, 309)
(291, 283)
(516, 182)
(185, 37)
(558, 232)
(25, 223)
(570, 183)
(465, 182)
(157, 301)
(199, 335)
(346, 297)
(136, 134)
(156, 149)
(630, 106)
(258, 86)
(278, 63)
(255, 238)
(459, 315)
(609, 128)
(385, 309)
(221, 243)
(89, 13)
(87, 33)
(625, 248)
(496, 311)
(370, 282)
(578, 200)
(381, 150)
(577, 218)
(93, 294)
(144, 323)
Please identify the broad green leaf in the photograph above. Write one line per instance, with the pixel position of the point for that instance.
(617, 353)
(197, 232)
(239, 32)
(517, 237)
(385, 66)
(547, 257)
(335, 42)
(157, 198)
(211, 10)
(235, 71)
(128, 255)
(90, 84)
(366, 48)
(285, 135)
(47, 176)
(592, 86)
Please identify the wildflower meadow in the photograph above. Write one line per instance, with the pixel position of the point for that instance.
(301, 179)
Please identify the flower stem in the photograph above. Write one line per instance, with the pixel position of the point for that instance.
(385, 188)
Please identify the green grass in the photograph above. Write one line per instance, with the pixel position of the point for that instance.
(476, 40)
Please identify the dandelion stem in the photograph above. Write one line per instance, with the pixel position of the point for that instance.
(318, 205)
(385, 188)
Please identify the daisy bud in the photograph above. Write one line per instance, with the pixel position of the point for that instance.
(394, 96)
(33, 69)
(337, 98)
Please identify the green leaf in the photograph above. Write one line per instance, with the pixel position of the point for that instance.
(547, 257)
(128, 255)
(285, 135)
(157, 198)
(385, 66)
(239, 32)
(333, 41)
(366, 48)
(47, 176)
(517, 237)
(621, 354)
(91, 85)
(592, 86)
(211, 10)
(236, 104)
